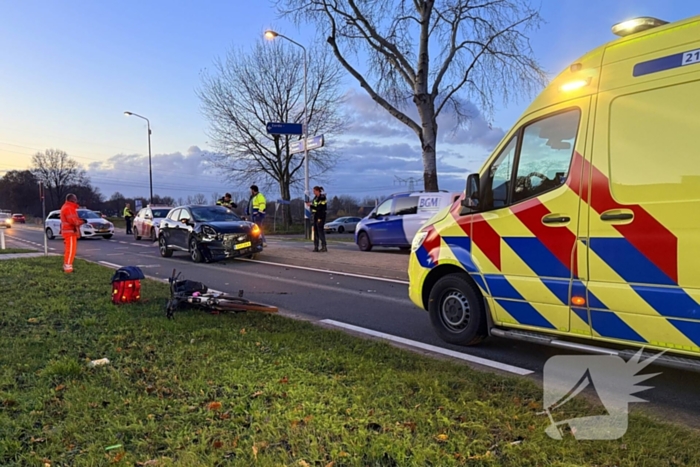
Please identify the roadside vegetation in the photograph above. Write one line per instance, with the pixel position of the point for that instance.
(10, 251)
(254, 389)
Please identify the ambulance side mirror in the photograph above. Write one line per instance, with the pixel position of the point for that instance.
(471, 193)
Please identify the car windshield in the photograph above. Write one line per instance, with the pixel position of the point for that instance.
(160, 213)
(3, 215)
(88, 215)
(214, 214)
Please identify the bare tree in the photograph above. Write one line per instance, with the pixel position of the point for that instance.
(198, 199)
(58, 172)
(250, 89)
(434, 53)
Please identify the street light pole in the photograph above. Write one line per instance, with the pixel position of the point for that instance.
(150, 168)
(307, 214)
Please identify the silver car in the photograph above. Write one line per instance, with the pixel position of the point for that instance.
(342, 224)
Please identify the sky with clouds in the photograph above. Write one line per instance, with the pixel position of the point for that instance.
(70, 69)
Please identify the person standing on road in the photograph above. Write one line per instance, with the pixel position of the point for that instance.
(318, 209)
(256, 209)
(226, 202)
(70, 231)
(128, 218)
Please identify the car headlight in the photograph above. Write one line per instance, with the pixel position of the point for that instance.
(209, 232)
(418, 240)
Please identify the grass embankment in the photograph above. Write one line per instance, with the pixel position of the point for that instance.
(10, 251)
(254, 389)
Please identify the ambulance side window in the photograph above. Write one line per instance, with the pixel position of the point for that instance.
(496, 182)
(545, 154)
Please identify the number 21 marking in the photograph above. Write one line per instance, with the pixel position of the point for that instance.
(691, 57)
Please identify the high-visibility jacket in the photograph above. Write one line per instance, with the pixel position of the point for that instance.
(318, 207)
(70, 221)
(128, 212)
(229, 204)
(257, 204)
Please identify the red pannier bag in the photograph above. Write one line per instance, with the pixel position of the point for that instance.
(126, 285)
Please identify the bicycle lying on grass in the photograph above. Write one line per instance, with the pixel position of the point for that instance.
(193, 294)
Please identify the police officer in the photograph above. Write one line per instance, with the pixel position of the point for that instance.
(226, 202)
(128, 218)
(256, 209)
(318, 209)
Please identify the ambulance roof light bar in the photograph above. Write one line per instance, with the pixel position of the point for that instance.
(631, 26)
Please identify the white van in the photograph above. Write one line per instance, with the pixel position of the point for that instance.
(396, 220)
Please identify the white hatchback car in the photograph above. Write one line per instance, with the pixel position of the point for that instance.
(147, 222)
(96, 226)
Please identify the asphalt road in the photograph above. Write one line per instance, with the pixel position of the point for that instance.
(373, 304)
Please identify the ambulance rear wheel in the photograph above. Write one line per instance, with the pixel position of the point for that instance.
(49, 233)
(457, 311)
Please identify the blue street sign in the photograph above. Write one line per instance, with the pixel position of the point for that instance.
(284, 128)
(313, 143)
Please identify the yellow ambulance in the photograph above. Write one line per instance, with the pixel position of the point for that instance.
(582, 230)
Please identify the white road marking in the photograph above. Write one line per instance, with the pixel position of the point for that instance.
(111, 265)
(432, 348)
(148, 265)
(122, 248)
(125, 243)
(326, 271)
(115, 254)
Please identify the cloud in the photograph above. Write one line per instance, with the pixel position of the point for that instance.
(368, 119)
(174, 175)
(379, 168)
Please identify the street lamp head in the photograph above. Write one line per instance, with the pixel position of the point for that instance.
(270, 34)
(127, 113)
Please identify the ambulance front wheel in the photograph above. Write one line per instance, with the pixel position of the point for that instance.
(457, 311)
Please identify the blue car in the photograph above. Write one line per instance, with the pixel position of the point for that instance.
(397, 219)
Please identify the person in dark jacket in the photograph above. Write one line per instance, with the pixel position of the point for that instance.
(226, 202)
(318, 209)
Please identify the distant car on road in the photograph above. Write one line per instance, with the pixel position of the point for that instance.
(208, 233)
(19, 219)
(147, 222)
(96, 226)
(5, 220)
(342, 224)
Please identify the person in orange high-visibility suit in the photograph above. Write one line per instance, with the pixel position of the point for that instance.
(70, 230)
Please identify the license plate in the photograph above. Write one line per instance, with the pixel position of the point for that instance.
(240, 246)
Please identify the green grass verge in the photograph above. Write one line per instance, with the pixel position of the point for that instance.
(254, 389)
(10, 251)
(119, 222)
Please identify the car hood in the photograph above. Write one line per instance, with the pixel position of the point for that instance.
(230, 227)
(98, 221)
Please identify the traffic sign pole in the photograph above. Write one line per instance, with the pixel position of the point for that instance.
(43, 217)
